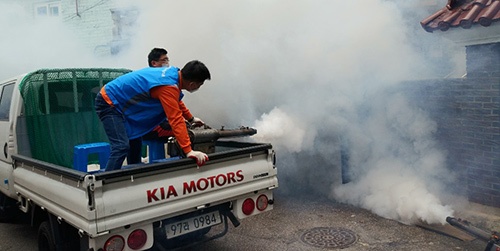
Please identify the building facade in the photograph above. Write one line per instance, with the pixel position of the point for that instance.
(468, 109)
(102, 25)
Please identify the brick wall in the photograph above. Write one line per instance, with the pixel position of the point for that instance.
(468, 115)
(483, 60)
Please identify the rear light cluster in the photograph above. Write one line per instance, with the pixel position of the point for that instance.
(135, 241)
(249, 204)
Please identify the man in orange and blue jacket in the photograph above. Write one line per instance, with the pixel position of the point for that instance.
(133, 104)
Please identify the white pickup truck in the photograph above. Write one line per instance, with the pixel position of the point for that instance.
(164, 204)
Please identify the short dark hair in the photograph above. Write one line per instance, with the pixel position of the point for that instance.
(155, 55)
(195, 71)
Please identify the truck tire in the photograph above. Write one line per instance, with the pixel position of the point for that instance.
(8, 209)
(45, 237)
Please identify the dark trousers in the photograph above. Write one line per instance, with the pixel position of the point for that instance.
(114, 126)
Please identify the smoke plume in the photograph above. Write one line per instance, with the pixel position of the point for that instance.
(317, 78)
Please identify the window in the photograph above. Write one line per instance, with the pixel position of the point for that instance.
(5, 99)
(62, 97)
(50, 9)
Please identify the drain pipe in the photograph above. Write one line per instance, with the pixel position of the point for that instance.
(76, 8)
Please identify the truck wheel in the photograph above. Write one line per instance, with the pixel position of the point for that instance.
(45, 238)
(8, 208)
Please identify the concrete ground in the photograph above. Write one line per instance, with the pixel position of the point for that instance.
(481, 216)
(316, 224)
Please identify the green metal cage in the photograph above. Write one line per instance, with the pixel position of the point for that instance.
(59, 110)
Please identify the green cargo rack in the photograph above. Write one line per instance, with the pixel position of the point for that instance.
(59, 110)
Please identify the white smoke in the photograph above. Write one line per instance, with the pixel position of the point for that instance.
(315, 77)
(287, 133)
(400, 173)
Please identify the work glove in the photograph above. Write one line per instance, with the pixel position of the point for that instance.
(196, 122)
(200, 157)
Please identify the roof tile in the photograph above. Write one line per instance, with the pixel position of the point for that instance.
(463, 13)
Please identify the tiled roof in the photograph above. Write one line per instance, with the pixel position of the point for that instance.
(463, 13)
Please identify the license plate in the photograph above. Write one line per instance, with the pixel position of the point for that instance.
(192, 224)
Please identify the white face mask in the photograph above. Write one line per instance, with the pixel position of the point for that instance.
(165, 65)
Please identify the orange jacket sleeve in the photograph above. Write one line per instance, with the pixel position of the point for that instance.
(169, 98)
(185, 111)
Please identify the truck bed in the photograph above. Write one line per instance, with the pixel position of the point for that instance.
(145, 193)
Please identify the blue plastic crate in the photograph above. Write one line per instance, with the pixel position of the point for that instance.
(81, 153)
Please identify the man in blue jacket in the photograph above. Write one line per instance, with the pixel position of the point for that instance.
(135, 103)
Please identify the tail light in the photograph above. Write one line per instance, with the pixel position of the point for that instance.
(137, 239)
(114, 243)
(262, 202)
(248, 206)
